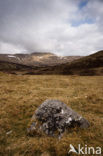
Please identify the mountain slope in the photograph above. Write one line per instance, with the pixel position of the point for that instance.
(89, 65)
(10, 67)
(37, 59)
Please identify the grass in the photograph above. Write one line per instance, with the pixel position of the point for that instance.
(21, 95)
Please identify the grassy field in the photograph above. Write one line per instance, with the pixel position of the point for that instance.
(21, 95)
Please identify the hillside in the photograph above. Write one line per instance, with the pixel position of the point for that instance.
(89, 65)
(37, 59)
(10, 67)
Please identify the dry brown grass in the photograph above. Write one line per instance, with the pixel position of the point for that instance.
(21, 95)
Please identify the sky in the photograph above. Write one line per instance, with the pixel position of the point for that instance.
(63, 27)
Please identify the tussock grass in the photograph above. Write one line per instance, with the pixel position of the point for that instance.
(21, 95)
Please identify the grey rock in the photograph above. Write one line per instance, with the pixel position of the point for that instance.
(54, 117)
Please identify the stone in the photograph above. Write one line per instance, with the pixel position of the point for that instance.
(53, 117)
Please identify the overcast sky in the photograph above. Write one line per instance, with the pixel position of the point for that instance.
(64, 27)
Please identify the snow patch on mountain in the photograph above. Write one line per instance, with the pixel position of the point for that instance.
(11, 56)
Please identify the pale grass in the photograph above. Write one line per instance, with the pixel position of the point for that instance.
(20, 96)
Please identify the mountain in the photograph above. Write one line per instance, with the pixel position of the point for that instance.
(48, 63)
(14, 68)
(85, 66)
(37, 59)
(89, 65)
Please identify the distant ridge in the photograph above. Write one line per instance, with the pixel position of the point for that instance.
(37, 59)
(88, 65)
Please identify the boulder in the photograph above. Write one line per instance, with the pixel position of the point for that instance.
(53, 117)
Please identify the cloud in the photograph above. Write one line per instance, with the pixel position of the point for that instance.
(60, 26)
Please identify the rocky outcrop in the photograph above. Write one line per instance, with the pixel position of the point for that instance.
(54, 117)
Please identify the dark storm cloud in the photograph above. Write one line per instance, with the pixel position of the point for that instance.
(42, 25)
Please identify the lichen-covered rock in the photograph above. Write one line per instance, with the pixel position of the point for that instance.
(54, 117)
